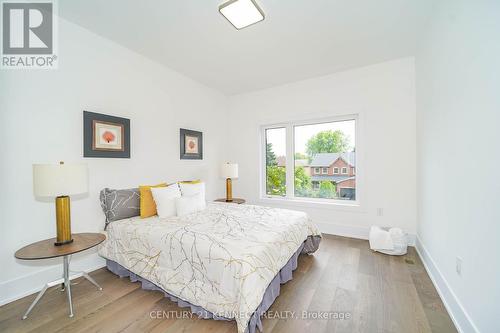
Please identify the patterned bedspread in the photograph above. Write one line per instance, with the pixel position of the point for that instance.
(222, 258)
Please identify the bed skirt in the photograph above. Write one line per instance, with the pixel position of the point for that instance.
(310, 245)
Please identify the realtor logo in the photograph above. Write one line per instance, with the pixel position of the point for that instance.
(28, 31)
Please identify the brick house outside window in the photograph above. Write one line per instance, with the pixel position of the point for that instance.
(340, 170)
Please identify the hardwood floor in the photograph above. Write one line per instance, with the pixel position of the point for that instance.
(380, 293)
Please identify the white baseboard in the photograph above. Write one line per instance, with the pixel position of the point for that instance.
(351, 231)
(343, 230)
(459, 316)
(28, 284)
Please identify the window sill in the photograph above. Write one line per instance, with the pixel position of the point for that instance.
(311, 203)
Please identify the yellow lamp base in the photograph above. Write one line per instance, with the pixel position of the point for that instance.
(63, 220)
(229, 190)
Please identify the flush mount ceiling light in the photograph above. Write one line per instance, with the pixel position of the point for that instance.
(241, 13)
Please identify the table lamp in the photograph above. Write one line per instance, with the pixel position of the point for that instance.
(229, 171)
(59, 181)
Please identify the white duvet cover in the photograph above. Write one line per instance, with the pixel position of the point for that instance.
(222, 258)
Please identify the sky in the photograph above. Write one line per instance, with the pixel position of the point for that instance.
(277, 136)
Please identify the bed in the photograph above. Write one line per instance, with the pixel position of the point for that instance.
(225, 262)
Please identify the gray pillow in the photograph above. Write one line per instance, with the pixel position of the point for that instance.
(120, 204)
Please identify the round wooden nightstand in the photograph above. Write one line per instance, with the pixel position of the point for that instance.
(46, 249)
(237, 201)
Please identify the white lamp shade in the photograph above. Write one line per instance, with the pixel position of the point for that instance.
(229, 170)
(53, 180)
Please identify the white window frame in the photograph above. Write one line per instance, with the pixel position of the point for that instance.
(316, 171)
(336, 171)
(342, 171)
(290, 161)
(324, 171)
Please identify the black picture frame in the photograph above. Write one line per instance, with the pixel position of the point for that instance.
(182, 140)
(88, 135)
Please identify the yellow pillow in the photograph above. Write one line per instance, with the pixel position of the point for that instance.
(191, 181)
(147, 203)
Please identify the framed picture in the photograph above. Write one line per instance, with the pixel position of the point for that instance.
(105, 136)
(191, 144)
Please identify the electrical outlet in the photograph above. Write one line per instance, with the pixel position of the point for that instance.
(458, 266)
(380, 212)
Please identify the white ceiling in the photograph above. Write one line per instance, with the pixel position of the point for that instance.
(298, 39)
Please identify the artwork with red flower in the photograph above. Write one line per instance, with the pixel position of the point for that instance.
(191, 144)
(107, 136)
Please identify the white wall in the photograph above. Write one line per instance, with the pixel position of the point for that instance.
(41, 122)
(384, 97)
(458, 114)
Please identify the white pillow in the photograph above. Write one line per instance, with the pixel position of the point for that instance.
(165, 199)
(189, 204)
(193, 189)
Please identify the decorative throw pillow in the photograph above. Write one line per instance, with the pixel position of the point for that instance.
(190, 189)
(197, 181)
(164, 198)
(148, 206)
(119, 204)
(189, 204)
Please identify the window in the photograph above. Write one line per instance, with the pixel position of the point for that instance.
(276, 161)
(297, 156)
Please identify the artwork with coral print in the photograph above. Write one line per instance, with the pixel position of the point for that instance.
(191, 144)
(105, 135)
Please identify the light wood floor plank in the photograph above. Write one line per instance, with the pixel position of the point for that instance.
(380, 293)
